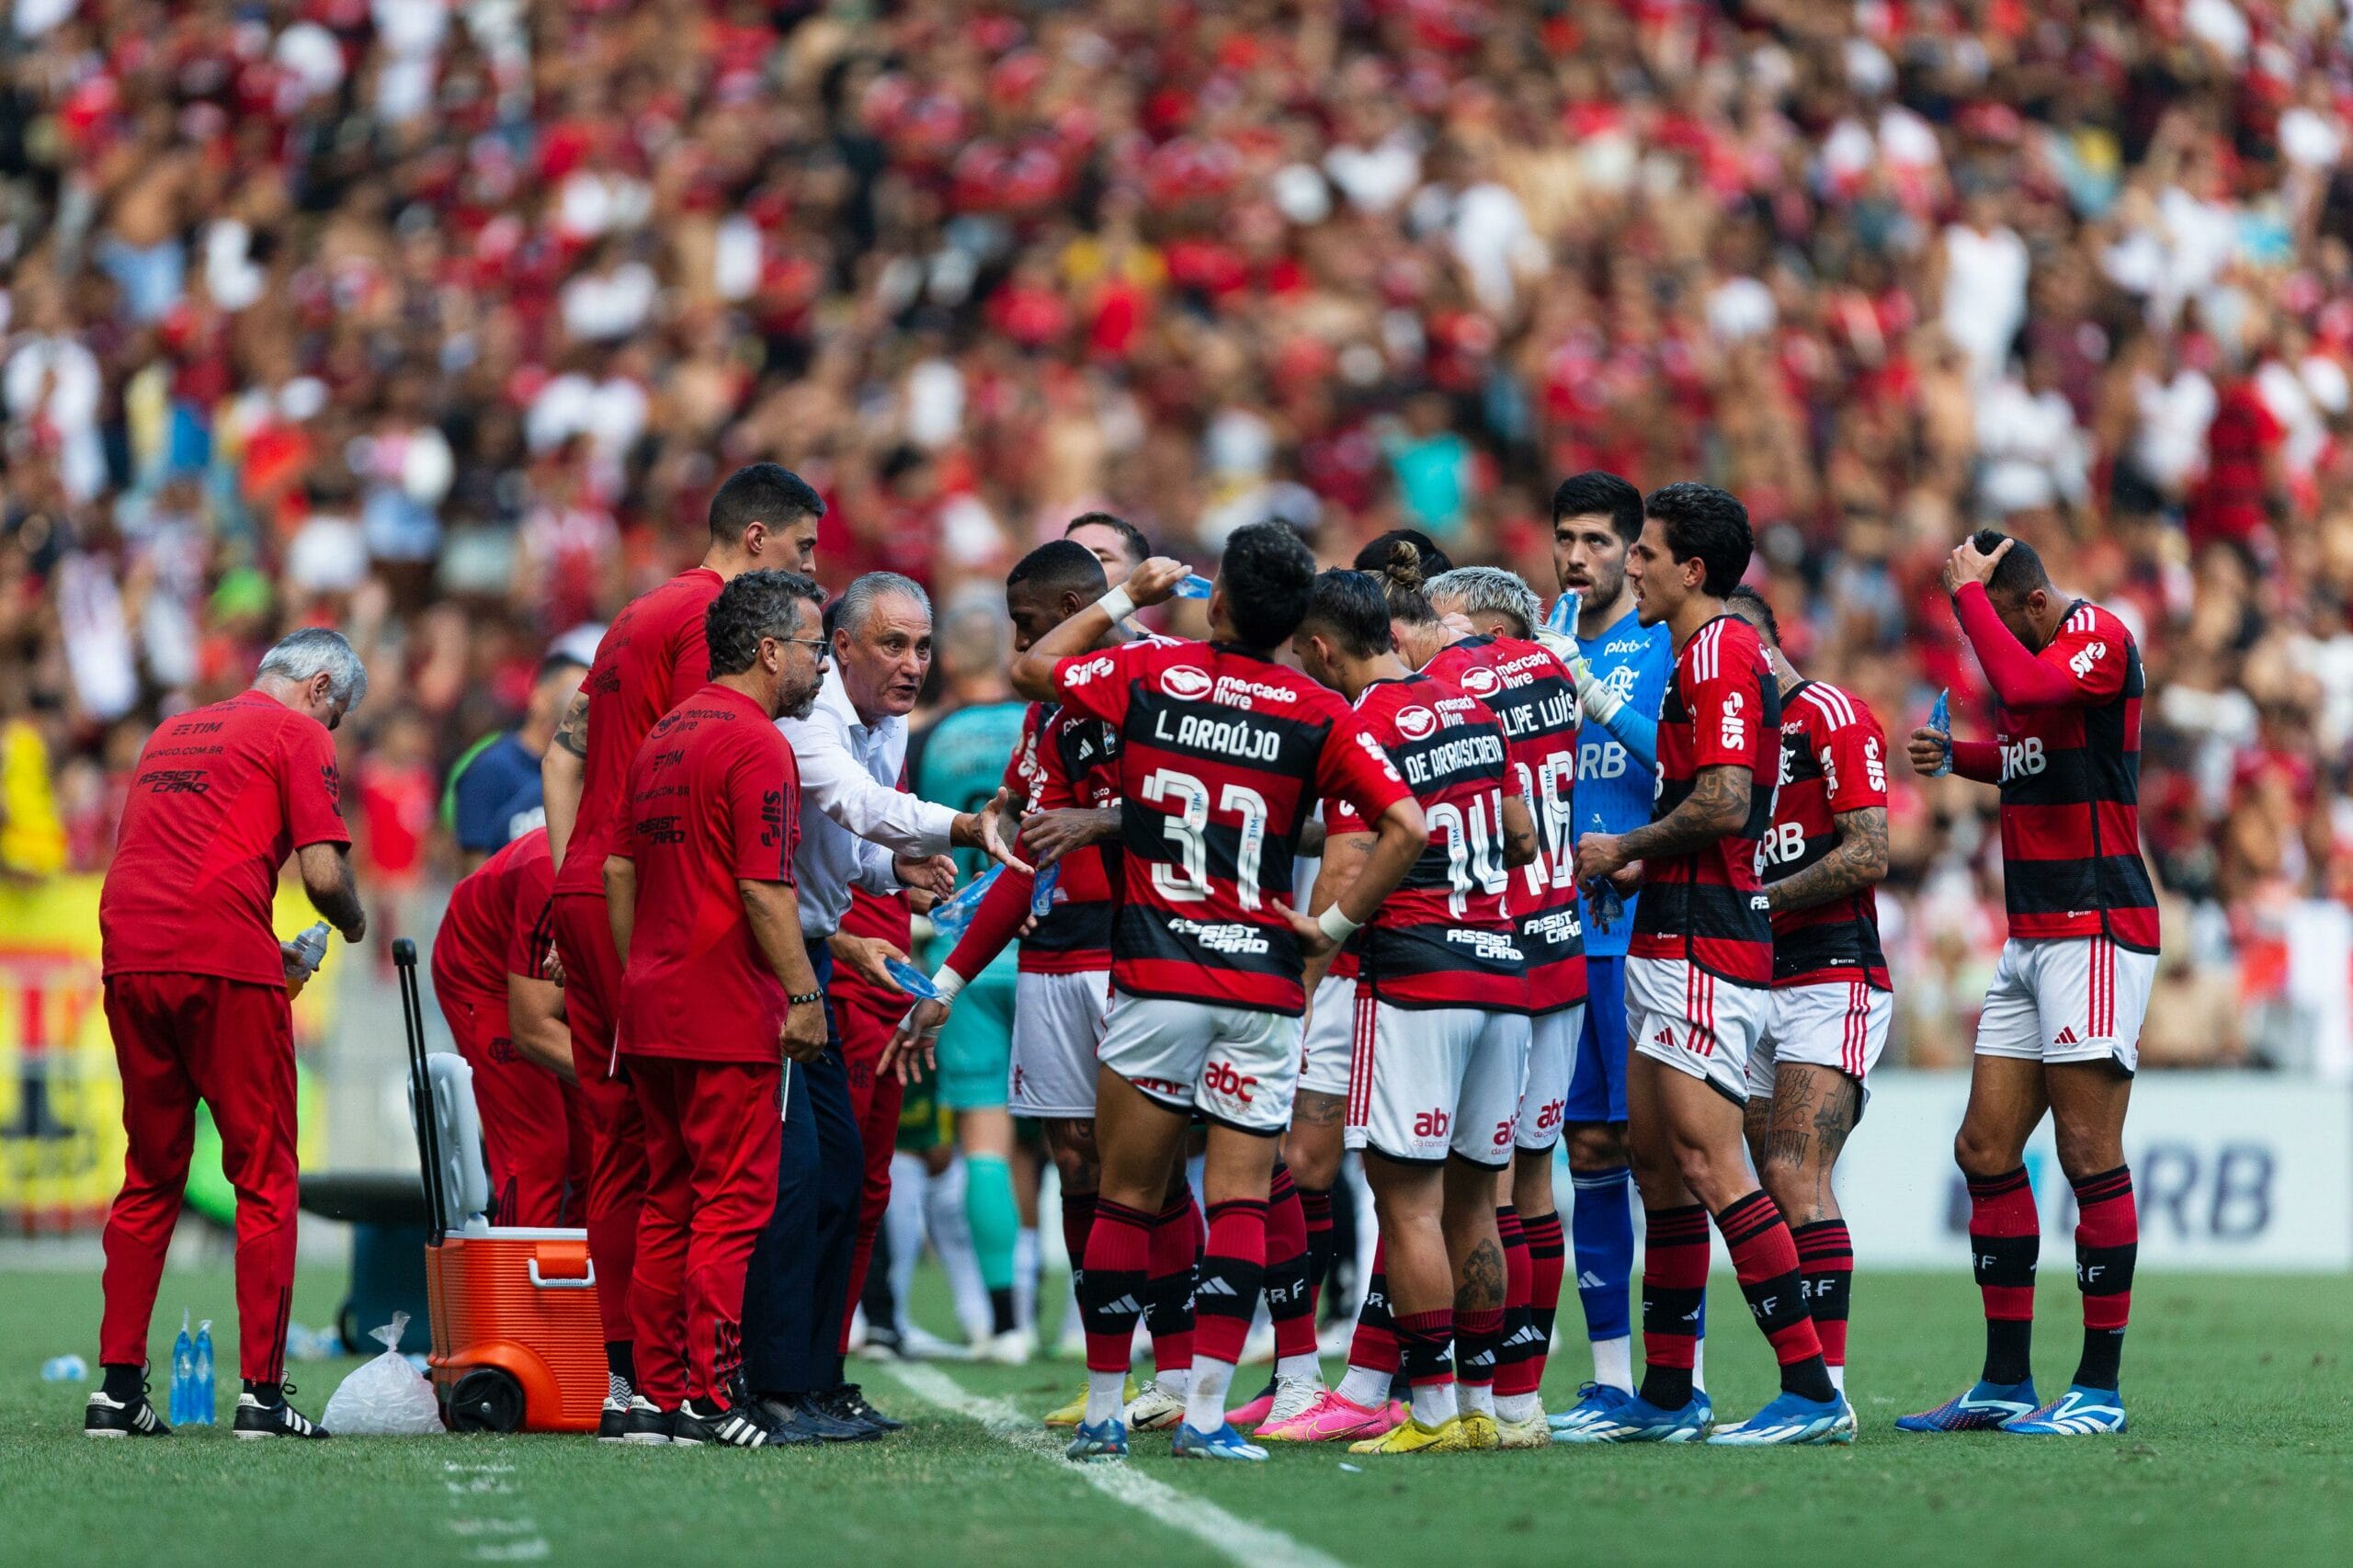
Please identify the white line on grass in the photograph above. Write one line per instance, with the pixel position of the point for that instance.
(1246, 1542)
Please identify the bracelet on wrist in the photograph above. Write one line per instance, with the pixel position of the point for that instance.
(805, 998)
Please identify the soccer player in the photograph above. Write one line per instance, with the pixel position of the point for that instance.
(495, 794)
(1223, 751)
(1824, 852)
(718, 991)
(1533, 694)
(1066, 768)
(1699, 968)
(652, 659)
(196, 1000)
(1440, 1038)
(1116, 544)
(1622, 667)
(505, 1012)
(2062, 1023)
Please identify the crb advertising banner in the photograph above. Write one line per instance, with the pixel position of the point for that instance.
(60, 1101)
(2230, 1171)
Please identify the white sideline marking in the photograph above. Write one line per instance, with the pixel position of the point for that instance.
(1251, 1544)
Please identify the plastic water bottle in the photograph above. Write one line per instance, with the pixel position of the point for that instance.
(1601, 894)
(64, 1370)
(952, 915)
(200, 1393)
(310, 948)
(911, 980)
(183, 1397)
(1195, 587)
(1941, 720)
(1042, 894)
(1565, 610)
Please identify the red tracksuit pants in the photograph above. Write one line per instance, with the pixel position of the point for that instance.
(534, 1125)
(875, 1098)
(592, 993)
(179, 1038)
(713, 1133)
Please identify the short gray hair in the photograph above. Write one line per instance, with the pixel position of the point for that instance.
(314, 650)
(858, 600)
(1474, 589)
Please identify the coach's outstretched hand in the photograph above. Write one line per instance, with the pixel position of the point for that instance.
(910, 1053)
(865, 956)
(934, 874)
(994, 838)
(1929, 749)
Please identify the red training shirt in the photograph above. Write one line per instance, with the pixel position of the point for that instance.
(714, 799)
(222, 795)
(651, 658)
(497, 924)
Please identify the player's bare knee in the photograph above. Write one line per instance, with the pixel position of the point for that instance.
(1595, 1146)
(2087, 1150)
(1979, 1154)
(1075, 1157)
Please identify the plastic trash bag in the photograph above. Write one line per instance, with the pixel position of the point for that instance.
(385, 1398)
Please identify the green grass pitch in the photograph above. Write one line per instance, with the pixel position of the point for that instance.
(2241, 1423)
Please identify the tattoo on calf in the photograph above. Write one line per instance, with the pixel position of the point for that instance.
(1482, 1285)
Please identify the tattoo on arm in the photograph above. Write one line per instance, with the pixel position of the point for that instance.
(1859, 860)
(1717, 805)
(572, 735)
(1482, 1285)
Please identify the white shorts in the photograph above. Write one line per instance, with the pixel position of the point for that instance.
(1057, 1028)
(1552, 1052)
(1237, 1065)
(1695, 1022)
(2067, 999)
(1841, 1024)
(1431, 1080)
(1331, 1038)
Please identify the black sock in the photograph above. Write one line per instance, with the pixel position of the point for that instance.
(2009, 1351)
(621, 1360)
(121, 1382)
(2103, 1352)
(268, 1394)
(1001, 1308)
(1669, 1388)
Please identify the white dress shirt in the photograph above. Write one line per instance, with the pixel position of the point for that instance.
(854, 816)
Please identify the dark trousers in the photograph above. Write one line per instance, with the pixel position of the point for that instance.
(799, 1284)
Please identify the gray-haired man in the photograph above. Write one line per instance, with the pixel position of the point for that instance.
(196, 998)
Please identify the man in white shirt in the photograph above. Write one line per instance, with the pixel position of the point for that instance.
(858, 829)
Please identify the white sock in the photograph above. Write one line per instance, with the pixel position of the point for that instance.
(1613, 1363)
(902, 1231)
(1105, 1395)
(1434, 1402)
(1838, 1379)
(1365, 1387)
(1478, 1399)
(1205, 1402)
(951, 1238)
(1176, 1383)
(1025, 1279)
(1699, 1366)
(1309, 1367)
(1519, 1407)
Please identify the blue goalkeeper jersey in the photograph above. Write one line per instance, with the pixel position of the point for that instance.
(1620, 787)
(960, 762)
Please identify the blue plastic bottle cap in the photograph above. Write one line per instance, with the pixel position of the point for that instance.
(912, 981)
(1195, 587)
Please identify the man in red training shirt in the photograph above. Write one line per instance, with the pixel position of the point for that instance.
(651, 660)
(196, 999)
(716, 989)
(507, 1012)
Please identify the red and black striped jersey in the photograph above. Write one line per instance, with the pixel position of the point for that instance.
(2071, 793)
(1444, 938)
(1070, 759)
(1535, 700)
(1222, 757)
(1833, 760)
(1723, 709)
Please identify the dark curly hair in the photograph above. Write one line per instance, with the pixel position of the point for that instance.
(753, 606)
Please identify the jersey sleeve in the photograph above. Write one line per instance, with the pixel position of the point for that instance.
(1096, 684)
(690, 662)
(1356, 779)
(1855, 765)
(2091, 656)
(762, 801)
(526, 945)
(1725, 717)
(313, 789)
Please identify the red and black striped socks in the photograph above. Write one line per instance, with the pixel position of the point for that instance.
(1766, 1258)
(1675, 1284)
(1514, 1361)
(1826, 1261)
(2005, 1239)
(1234, 1270)
(1288, 1302)
(1175, 1251)
(2108, 1241)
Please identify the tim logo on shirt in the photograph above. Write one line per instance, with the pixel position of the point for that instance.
(333, 781)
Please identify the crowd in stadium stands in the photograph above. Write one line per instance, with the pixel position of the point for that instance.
(438, 320)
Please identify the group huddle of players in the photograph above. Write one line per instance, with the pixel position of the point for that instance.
(1501, 809)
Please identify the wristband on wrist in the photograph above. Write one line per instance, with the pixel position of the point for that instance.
(947, 981)
(804, 998)
(1337, 926)
(1117, 604)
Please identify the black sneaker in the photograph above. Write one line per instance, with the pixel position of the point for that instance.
(256, 1419)
(801, 1413)
(104, 1417)
(847, 1402)
(707, 1421)
(612, 1421)
(643, 1421)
